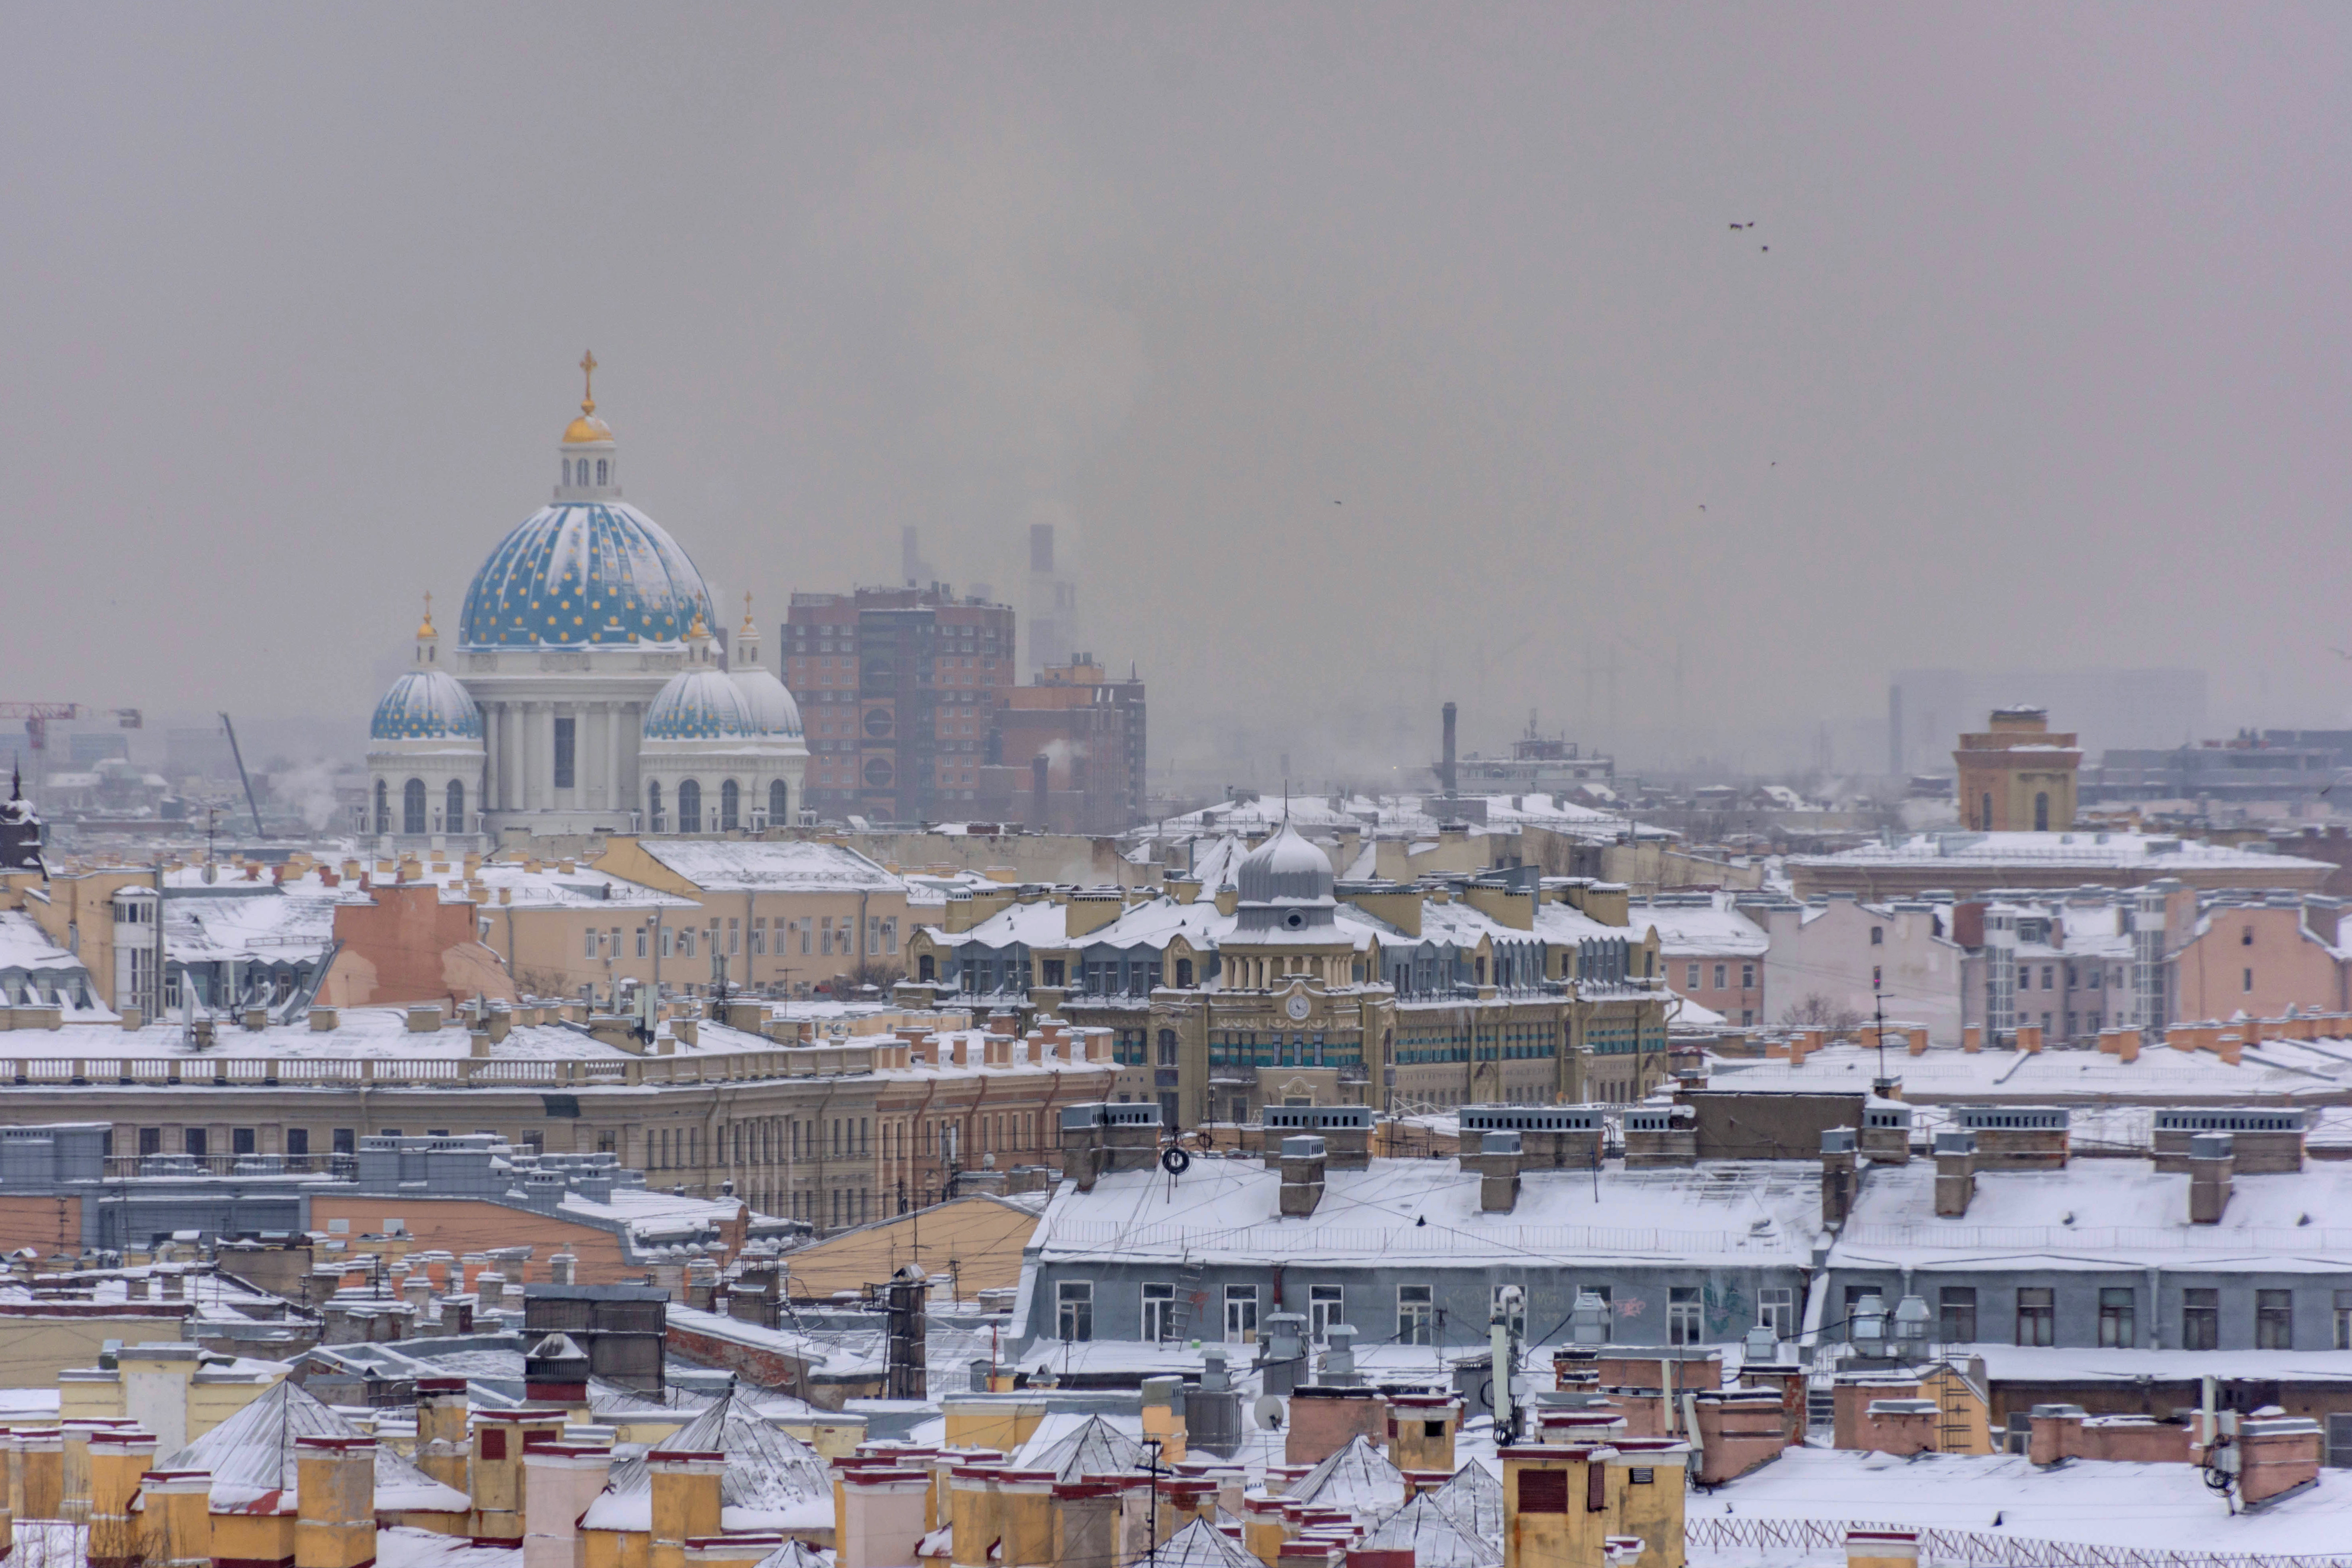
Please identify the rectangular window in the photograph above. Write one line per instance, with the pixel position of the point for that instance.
(588, 943)
(1241, 1314)
(1718, 976)
(669, 941)
(192, 1141)
(1416, 1313)
(241, 1140)
(1747, 978)
(890, 936)
(2250, 980)
(1326, 1305)
(1690, 977)
(1544, 1491)
(2117, 1318)
(1686, 1322)
(873, 933)
(1956, 1322)
(1776, 1308)
(2274, 1319)
(346, 1140)
(641, 941)
(734, 936)
(1159, 1314)
(298, 1142)
(2344, 1320)
(2036, 1315)
(825, 935)
(563, 732)
(759, 936)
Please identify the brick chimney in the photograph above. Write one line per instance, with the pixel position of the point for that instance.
(41, 1465)
(443, 1443)
(1497, 1164)
(2212, 1161)
(334, 1525)
(684, 1501)
(2277, 1454)
(1302, 1176)
(175, 1522)
(1955, 1173)
(117, 1459)
(1837, 1175)
(1657, 1135)
(1738, 1429)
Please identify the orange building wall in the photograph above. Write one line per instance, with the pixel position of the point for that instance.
(468, 1225)
(409, 946)
(46, 1225)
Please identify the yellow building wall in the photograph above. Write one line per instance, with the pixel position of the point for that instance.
(982, 1236)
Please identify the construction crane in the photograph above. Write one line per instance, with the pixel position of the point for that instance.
(38, 715)
(242, 776)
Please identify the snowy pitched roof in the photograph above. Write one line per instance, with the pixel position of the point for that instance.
(1474, 1497)
(24, 945)
(1199, 1544)
(1696, 929)
(772, 1480)
(1095, 1448)
(1357, 1478)
(251, 1458)
(792, 1554)
(2126, 851)
(746, 865)
(1434, 1536)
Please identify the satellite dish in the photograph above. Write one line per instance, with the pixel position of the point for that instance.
(1268, 1413)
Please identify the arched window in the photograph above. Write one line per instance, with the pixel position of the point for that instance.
(2042, 813)
(778, 798)
(602, 469)
(690, 807)
(457, 805)
(383, 807)
(567, 471)
(411, 806)
(653, 807)
(730, 805)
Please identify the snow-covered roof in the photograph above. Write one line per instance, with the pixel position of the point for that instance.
(2113, 851)
(266, 927)
(2112, 1504)
(24, 945)
(1094, 1447)
(1474, 1497)
(2266, 1074)
(1689, 928)
(251, 1459)
(767, 866)
(378, 1032)
(1756, 1212)
(2099, 1213)
(1394, 816)
(772, 1481)
(1201, 1544)
(1434, 1536)
(1356, 1479)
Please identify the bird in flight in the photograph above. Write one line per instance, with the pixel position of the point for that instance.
(1743, 225)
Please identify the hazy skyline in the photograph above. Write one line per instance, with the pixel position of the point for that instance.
(1365, 355)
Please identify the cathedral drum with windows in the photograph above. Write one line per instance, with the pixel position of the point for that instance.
(585, 694)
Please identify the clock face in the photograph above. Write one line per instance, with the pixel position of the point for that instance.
(1297, 1007)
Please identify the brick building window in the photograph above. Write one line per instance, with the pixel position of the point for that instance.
(2200, 1320)
(2117, 1318)
(2274, 1319)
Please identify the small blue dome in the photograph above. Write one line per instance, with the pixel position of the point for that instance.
(426, 705)
(584, 574)
(701, 705)
(773, 710)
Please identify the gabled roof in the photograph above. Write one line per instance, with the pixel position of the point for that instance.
(251, 1458)
(1357, 1478)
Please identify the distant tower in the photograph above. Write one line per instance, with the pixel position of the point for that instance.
(1053, 605)
(20, 830)
(2017, 774)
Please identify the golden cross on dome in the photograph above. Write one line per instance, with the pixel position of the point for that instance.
(747, 609)
(588, 382)
(426, 629)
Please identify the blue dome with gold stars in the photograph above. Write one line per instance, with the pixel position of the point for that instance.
(584, 574)
(701, 705)
(426, 705)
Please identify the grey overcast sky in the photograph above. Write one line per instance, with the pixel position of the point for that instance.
(2046, 362)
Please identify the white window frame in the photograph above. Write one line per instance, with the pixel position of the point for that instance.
(1326, 1305)
(1686, 1320)
(1776, 1308)
(1241, 1314)
(1074, 1310)
(1159, 1317)
(1416, 1314)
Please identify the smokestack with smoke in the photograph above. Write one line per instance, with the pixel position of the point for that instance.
(1037, 790)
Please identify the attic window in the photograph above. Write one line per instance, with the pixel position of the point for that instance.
(1294, 920)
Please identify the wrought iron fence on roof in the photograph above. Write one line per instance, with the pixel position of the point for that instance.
(1943, 1547)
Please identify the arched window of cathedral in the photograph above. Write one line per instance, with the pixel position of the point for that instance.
(411, 806)
(653, 807)
(383, 807)
(778, 798)
(456, 811)
(602, 467)
(690, 807)
(730, 805)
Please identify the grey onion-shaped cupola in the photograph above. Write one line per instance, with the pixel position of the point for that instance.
(1284, 872)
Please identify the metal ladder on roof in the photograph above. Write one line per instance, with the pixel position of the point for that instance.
(1191, 1299)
